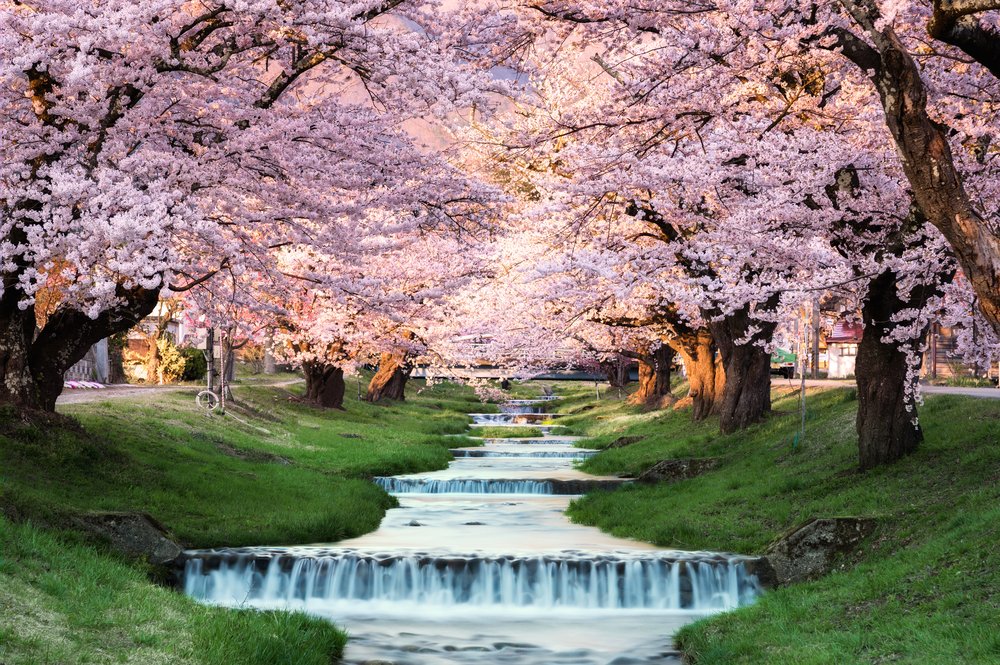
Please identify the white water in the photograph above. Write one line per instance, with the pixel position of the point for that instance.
(479, 565)
(463, 486)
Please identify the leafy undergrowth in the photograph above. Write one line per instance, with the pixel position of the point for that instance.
(62, 602)
(276, 471)
(925, 588)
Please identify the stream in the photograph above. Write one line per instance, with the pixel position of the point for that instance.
(479, 565)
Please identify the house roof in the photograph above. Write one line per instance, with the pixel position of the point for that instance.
(845, 332)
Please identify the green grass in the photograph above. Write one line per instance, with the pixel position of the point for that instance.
(283, 473)
(925, 588)
(273, 471)
(62, 602)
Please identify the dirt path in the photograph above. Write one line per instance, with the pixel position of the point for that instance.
(982, 393)
(125, 391)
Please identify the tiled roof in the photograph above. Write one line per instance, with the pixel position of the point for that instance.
(845, 332)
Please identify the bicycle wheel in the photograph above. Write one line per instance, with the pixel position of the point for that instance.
(207, 400)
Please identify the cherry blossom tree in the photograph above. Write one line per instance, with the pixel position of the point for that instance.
(157, 145)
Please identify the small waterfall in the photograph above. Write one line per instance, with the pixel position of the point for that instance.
(601, 582)
(524, 441)
(511, 407)
(397, 485)
(571, 454)
(459, 486)
(492, 418)
(510, 418)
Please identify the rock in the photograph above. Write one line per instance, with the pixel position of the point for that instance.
(623, 441)
(474, 524)
(348, 435)
(135, 535)
(763, 570)
(811, 550)
(672, 470)
(414, 523)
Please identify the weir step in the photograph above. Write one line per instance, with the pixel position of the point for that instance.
(669, 580)
(552, 486)
(480, 452)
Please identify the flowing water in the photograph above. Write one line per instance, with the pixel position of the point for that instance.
(479, 565)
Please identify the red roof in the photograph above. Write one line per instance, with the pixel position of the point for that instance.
(845, 332)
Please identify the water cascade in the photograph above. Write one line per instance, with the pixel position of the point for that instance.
(564, 454)
(660, 581)
(478, 566)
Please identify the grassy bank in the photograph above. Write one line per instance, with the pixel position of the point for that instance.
(62, 602)
(925, 588)
(274, 471)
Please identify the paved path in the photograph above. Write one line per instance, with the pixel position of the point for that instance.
(120, 391)
(983, 393)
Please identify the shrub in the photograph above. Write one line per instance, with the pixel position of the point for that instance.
(172, 361)
(195, 365)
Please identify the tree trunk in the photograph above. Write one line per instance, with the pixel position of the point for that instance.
(152, 363)
(654, 376)
(704, 374)
(116, 360)
(616, 370)
(17, 331)
(746, 397)
(32, 367)
(887, 413)
(325, 384)
(389, 381)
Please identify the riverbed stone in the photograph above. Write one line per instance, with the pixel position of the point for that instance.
(135, 535)
(623, 441)
(814, 548)
(672, 470)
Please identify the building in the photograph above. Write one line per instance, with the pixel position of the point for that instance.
(842, 348)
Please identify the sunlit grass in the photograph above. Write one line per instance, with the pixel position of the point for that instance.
(924, 589)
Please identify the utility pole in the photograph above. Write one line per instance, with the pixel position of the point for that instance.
(934, 338)
(210, 357)
(815, 339)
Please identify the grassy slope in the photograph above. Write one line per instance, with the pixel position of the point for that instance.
(288, 473)
(924, 589)
(283, 473)
(66, 603)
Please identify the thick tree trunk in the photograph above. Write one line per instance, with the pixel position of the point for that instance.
(325, 384)
(389, 381)
(32, 367)
(886, 422)
(654, 376)
(704, 374)
(746, 398)
(17, 331)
